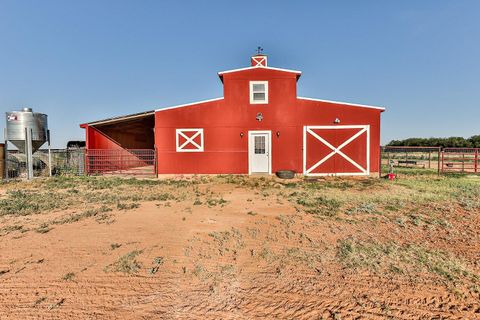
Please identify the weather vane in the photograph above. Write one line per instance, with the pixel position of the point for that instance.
(259, 50)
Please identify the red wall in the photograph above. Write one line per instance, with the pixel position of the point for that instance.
(97, 140)
(225, 151)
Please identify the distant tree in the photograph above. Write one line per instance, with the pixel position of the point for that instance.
(451, 142)
(475, 141)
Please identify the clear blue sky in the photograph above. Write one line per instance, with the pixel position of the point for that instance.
(82, 60)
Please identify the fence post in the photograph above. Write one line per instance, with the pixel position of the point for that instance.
(380, 163)
(155, 161)
(443, 164)
(87, 164)
(476, 160)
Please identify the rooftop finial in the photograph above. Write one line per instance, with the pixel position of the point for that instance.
(259, 50)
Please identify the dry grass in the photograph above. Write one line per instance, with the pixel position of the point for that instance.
(260, 234)
(408, 259)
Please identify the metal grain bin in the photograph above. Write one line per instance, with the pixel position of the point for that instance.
(18, 121)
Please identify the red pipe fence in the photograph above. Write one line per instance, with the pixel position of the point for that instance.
(120, 161)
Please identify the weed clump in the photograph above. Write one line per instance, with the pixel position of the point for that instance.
(69, 276)
(157, 262)
(127, 206)
(114, 246)
(365, 208)
(212, 202)
(43, 228)
(7, 229)
(126, 263)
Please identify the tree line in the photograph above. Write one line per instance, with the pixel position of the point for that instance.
(451, 142)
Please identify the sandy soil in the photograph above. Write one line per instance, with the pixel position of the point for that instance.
(257, 256)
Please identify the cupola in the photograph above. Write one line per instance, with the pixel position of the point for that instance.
(259, 59)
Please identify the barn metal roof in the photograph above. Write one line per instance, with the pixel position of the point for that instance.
(119, 118)
(188, 104)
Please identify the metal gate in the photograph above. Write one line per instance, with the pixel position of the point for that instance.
(464, 160)
(121, 161)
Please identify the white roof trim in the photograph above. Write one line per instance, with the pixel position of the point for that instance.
(188, 104)
(257, 67)
(346, 103)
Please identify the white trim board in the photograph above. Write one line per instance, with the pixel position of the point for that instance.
(188, 104)
(252, 101)
(259, 67)
(345, 103)
(180, 132)
(336, 150)
(269, 133)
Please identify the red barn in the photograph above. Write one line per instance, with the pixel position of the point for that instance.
(260, 125)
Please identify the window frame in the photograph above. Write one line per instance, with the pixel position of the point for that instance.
(181, 131)
(252, 101)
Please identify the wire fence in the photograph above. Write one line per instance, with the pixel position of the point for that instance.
(442, 160)
(79, 162)
(60, 162)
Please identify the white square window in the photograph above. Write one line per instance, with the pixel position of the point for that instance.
(258, 92)
(189, 140)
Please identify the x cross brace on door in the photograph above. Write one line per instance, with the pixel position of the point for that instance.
(190, 140)
(337, 150)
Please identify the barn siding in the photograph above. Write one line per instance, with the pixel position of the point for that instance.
(225, 151)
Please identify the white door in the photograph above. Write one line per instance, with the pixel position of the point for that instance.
(259, 150)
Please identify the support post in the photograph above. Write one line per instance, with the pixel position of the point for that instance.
(6, 153)
(29, 154)
(155, 163)
(49, 154)
(429, 159)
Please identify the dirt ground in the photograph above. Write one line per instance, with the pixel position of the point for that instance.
(233, 247)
